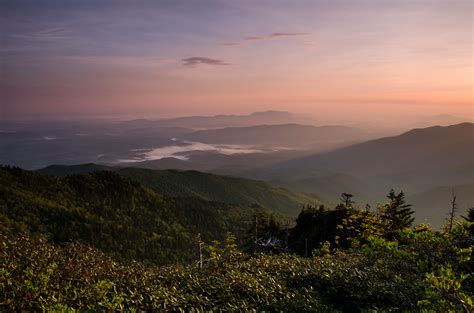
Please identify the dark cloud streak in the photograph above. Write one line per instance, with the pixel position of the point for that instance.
(284, 35)
(194, 61)
(254, 38)
(272, 36)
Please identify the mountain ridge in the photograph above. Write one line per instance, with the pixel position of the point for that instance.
(206, 186)
(116, 214)
(288, 134)
(416, 162)
(379, 150)
(223, 120)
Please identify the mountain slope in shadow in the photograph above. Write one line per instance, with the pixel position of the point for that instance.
(284, 135)
(416, 162)
(422, 154)
(206, 186)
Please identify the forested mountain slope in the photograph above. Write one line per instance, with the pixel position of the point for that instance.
(232, 190)
(115, 214)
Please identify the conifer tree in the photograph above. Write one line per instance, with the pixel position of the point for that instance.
(470, 218)
(470, 215)
(346, 201)
(396, 214)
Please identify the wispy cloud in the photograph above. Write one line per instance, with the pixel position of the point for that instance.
(254, 38)
(229, 44)
(272, 36)
(194, 61)
(52, 33)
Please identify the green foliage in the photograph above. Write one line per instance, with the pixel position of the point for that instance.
(206, 186)
(115, 214)
(444, 292)
(427, 271)
(270, 236)
(357, 226)
(315, 226)
(344, 227)
(396, 214)
(439, 262)
(68, 243)
(470, 218)
(470, 215)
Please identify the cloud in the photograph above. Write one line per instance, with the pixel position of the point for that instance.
(284, 35)
(194, 61)
(254, 38)
(229, 44)
(45, 34)
(272, 36)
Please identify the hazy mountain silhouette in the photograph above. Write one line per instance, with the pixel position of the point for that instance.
(285, 135)
(219, 121)
(440, 120)
(418, 162)
(215, 162)
(434, 204)
(436, 152)
(328, 188)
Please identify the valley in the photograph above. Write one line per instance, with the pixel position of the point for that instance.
(315, 164)
(236, 156)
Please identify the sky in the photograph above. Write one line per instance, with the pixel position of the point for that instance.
(371, 58)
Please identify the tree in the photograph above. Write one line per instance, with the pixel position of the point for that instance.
(453, 211)
(396, 214)
(470, 218)
(358, 226)
(315, 226)
(265, 234)
(470, 215)
(346, 201)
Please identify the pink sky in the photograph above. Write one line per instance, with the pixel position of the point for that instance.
(330, 58)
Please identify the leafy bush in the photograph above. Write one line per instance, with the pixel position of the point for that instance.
(427, 271)
(69, 244)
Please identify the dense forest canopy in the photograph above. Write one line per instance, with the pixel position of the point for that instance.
(95, 241)
(207, 186)
(115, 214)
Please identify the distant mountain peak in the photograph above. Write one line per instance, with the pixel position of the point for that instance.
(271, 112)
(454, 127)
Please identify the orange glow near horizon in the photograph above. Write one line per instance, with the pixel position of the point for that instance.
(366, 57)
